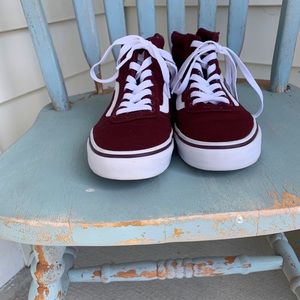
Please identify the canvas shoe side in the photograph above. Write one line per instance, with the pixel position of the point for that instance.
(213, 131)
(133, 138)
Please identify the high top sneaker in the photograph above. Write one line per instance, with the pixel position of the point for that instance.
(213, 131)
(133, 138)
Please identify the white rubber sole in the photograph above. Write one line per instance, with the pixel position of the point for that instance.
(228, 158)
(130, 168)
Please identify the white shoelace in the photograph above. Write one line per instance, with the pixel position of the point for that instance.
(140, 88)
(205, 90)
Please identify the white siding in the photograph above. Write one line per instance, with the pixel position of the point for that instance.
(21, 83)
(9, 267)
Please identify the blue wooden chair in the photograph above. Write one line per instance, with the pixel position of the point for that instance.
(49, 198)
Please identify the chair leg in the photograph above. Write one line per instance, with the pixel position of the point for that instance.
(49, 271)
(291, 264)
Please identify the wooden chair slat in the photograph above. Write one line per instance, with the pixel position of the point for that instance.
(207, 14)
(38, 27)
(237, 19)
(285, 45)
(115, 18)
(86, 21)
(176, 17)
(146, 17)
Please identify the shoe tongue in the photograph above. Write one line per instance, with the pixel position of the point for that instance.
(181, 46)
(182, 43)
(206, 35)
(157, 40)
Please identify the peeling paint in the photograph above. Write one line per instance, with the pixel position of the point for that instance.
(64, 238)
(229, 260)
(97, 273)
(149, 274)
(202, 269)
(133, 274)
(287, 200)
(42, 292)
(59, 295)
(220, 225)
(127, 274)
(41, 267)
(137, 242)
(210, 262)
(178, 232)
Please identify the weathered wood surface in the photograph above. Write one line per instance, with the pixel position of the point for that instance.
(237, 20)
(88, 31)
(146, 17)
(207, 14)
(284, 51)
(177, 268)
(43, 44)
(49, 270)
(176, 17)
(291, 264)
(114, 10)
(49, 196)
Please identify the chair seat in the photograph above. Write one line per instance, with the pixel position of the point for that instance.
(49, 196)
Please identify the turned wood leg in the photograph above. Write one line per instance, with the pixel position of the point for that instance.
(49, 271)
(291, 264)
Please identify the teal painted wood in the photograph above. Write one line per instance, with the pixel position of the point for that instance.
(37, 24)
(285, 45)
(86, 21)
(291, 264)
(207, 14)
(176, 17)
(79, 208)
(177, 268)
(115, 19)
(146, 17)
(237, 19)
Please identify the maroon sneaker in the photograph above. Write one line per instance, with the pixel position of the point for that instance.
(133, 138)
(213, 131)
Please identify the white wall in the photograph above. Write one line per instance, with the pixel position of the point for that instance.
(22, 90)
(11, 260)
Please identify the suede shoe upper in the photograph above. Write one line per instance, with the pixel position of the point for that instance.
(138, 116)
(206, 109)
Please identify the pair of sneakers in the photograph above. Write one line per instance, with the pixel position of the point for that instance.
(158, 95)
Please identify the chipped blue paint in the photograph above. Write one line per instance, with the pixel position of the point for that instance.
(37, 24)
(237, 19)
(115, 19)
(207, 14)
(86, 21)
(285, 45)
(177, 268)
(47, 281)
(291, 264)
(146, 17)
(49, 271)
(176, 17)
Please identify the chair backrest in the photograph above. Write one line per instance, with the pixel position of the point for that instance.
(114, 10)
